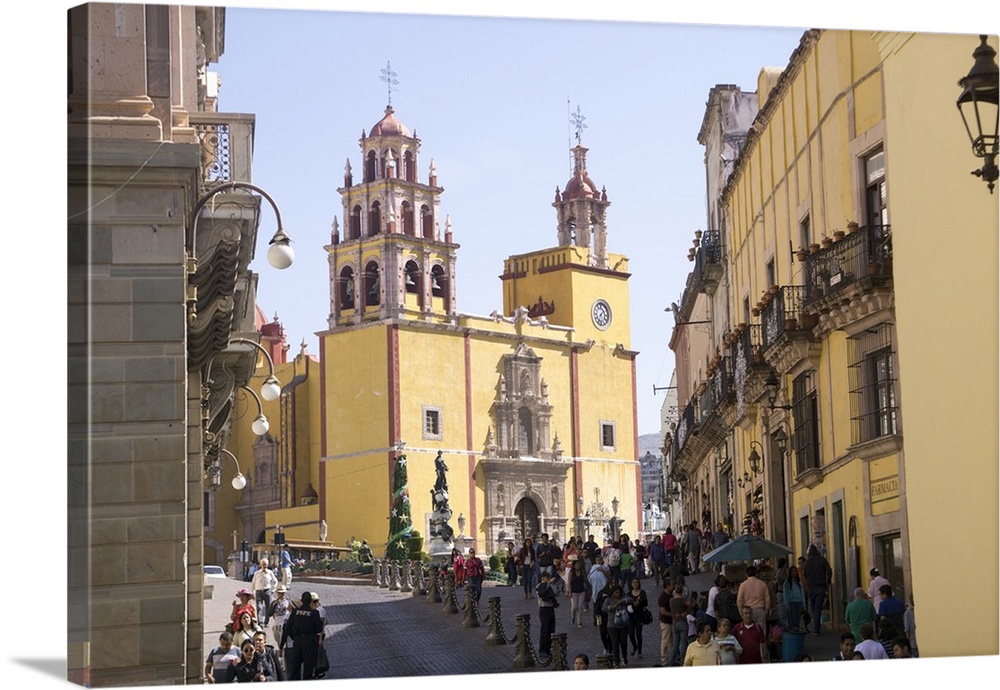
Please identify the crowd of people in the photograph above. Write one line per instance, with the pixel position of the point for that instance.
(292, 651)
(735, 622)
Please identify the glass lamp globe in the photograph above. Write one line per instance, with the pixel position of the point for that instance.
(260, 425)
(239, 481)
(270, 390)
(280, 254)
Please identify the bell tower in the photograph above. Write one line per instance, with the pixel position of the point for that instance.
(581, 212)
(393, 261)
(577, 283)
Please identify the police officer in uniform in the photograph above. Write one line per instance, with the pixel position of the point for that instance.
(305, 628)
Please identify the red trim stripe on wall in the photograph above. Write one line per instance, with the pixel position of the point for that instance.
(392, 368)
(635, 448)
(574, 395)
(473, 513)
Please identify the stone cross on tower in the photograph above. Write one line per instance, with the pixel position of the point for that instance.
(389, 77)
(577, 118)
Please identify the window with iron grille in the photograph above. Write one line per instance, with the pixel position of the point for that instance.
(805, 415)
(607, 435)
(432, 423)
(872, 379)
(876, 208)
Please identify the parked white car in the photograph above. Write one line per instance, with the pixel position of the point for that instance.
(215, 571)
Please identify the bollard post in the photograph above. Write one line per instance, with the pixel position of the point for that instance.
(394, 581)
(385, 575)
(375, 573)
(418, 587)
(406, 585)
(495, 635)
(559, 652)
(434, 590)
(450, 605)
(522, 655)
(471, 619)
(604, 661)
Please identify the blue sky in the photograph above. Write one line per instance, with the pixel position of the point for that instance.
(488, 99)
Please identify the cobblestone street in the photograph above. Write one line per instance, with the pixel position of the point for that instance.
(373, 632)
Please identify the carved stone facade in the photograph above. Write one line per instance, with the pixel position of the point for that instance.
(522, 410)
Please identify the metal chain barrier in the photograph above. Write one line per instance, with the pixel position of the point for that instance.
(474, 605)
(497, 635)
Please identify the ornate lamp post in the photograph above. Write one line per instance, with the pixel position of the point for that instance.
(978, 105)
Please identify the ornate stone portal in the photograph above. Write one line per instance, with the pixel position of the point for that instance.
(524, 470)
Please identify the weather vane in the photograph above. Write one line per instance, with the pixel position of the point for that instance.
(577, 119)
(389, 77)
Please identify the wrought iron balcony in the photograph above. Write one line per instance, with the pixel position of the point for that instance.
(708, 267)
(226, 146)
(783, 313)
(863, 257)
(718, 391)
(748, 348)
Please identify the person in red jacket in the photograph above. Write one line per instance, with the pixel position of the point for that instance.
(458, 567)
(474, 573)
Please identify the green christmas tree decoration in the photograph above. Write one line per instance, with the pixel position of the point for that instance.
(400, 525)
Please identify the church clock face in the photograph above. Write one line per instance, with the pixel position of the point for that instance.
(601, 314)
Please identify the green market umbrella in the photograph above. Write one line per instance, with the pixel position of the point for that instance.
(745, 547)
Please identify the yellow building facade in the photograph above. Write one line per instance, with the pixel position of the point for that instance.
(532, 406)
(836, 332)
(948, 344)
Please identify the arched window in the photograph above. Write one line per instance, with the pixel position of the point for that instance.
(439, 281)
(370, 167)
(354, 231)
(385, 162)
(347, 288)
(409, 167)
(407, 210)
(413, 277)
(375, 219)
(426, 222)
(371, 284)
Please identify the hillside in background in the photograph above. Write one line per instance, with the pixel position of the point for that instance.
(652, 443)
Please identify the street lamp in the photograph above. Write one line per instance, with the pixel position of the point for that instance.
(754, 457)
(280, 254)
(260, 425)
(270, 390)
(781, 438)
(239, 481)
(978, 103)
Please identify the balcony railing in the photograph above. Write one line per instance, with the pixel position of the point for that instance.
(865, 255)
(746, 346)
(226, 146)
(707, 263)
(782, 312)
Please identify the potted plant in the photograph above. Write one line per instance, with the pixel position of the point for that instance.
(852, 227)
(801, 254)
(813, 248)
(415, 543)
(838, 235)
(826, 242)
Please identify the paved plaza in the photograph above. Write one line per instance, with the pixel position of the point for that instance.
(372, 632)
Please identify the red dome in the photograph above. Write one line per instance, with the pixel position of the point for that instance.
(389, 126)
(580, 186)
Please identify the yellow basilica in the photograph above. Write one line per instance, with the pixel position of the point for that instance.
(533, 406)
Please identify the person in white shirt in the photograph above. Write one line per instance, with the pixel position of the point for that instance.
(869, 647)
(263, 584)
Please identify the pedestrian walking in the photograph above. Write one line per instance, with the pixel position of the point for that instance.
(577, 591)
(474, 574)
(637, 616)
(616, 610)
(818, 577)
(527, 562)
(547, 604)
(221, 658)
(304, 627)
(263, 585)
